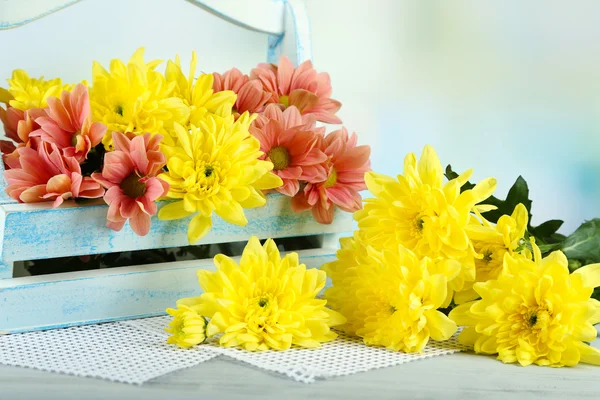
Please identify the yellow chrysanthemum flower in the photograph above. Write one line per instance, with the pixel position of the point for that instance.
(133, 97)
(390, 298)
(25, 92)
(265, 302)
(535, 312)
(198, 95)
(215, 167)
(492, 242)
(422, 214)
(187, 329)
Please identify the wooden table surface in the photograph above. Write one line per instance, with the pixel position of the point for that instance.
(455, 376)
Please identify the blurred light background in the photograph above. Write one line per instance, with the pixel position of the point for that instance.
(507, 88)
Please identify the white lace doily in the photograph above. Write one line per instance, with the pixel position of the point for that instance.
(136, 351)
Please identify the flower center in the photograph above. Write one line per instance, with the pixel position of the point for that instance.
(538, 318)
(280, 157)
(263, 302)
(532, 320)
(285, 101)
(487, 257)
(208, 170)
(133, 187)
(331, 179)
(74, 138)
(119, 109)
(419, 224)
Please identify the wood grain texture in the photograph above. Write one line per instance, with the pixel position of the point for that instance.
(458, 376)
(40, 231)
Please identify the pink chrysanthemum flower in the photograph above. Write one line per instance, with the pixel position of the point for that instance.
(290, 118)
(129, 174)
(18, 126)
(293, 147)
(346, 170)
(250, 94)
(45, 175)
(302, 87)
(68, 124)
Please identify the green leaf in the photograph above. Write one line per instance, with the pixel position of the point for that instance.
(546, 232)
(518, 193)
(584, 243)
(548, 248)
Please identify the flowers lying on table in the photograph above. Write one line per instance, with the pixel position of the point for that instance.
(423, 246)
(211, 142)
(264, 302)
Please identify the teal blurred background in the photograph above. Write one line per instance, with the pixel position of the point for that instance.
(505, 87)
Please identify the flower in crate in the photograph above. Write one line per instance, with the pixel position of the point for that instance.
(535, 312)
(251, 96)
(215, 167)
(264, 302)
(187, 329)
(18, 126)
(197, 93)
(390, 297)
(422, 214)
(45, 175)
(133, 97)
(492, 242)
(295, 151)
(25, 92)
(302, 87)
(346, 167)
(68, 124)
(129, 175)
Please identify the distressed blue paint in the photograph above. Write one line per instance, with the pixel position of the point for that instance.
(274, 48)
(301, 26)
(119, 294)
(37, 232)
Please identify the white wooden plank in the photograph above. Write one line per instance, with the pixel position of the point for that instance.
(77, 298)
(39, 231)
(260, 15)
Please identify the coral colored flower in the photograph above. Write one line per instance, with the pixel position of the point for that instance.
(45, 175)
(215, 168)
(187, 329)
(422, 214)
(68, 124)
(294, 152)
(133, 97)
(264, 302)
(534, 313)
(290, 118)
(26, 92)
(345, 178)
(197, 94)
(18, 126)
(129, 174)
(390, 298)
(250, 94)
(492, 242)
(302, 87)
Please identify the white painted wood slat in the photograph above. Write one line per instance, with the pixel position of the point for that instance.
(78, 298)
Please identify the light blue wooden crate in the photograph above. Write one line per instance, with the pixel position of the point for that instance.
(38, 231)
